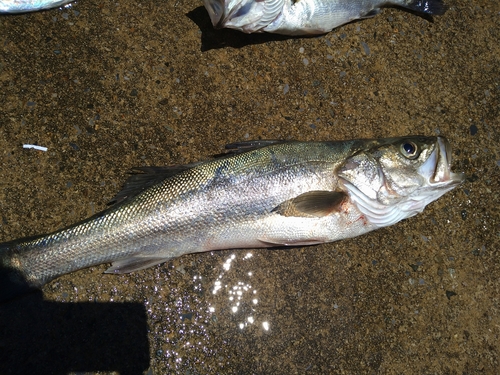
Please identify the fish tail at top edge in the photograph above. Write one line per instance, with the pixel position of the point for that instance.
(431, 7)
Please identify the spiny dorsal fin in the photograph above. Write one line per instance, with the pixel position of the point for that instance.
(244, 146)
(317, 203)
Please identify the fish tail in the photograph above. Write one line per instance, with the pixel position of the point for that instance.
(13, 282)
(431, 7)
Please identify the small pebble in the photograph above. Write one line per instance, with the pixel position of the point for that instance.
(450, 293)
(473, 129)
(365, 48)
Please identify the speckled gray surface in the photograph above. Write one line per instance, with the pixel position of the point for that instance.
(110, 85)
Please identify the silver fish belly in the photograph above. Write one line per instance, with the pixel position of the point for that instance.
(304, 17)
(263, 194)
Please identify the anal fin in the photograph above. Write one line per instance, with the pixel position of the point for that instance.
(134, 264)
(273, 242)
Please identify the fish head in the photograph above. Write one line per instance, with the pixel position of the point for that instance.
(248, 16)
(396, 178)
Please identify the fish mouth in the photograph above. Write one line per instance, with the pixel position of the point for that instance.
(221, 11)
(248, 16)
(437, 168)
(216, 11)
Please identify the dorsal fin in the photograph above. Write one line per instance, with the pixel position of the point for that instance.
(244, 146)
(144, 177)
(317, 203)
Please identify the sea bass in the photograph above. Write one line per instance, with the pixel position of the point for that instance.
(304, 17)
(23, 6)
(262, 194)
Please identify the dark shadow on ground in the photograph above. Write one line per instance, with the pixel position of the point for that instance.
(46, 337)
(214, 39)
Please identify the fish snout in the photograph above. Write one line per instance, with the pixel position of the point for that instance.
(442, 170)
(248, 16)
(215, 9)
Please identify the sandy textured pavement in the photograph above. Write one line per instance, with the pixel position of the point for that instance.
(110, 85)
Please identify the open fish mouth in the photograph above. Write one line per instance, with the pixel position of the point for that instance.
(222, 11)
(437, 168)
(248, 16)
(216, 12)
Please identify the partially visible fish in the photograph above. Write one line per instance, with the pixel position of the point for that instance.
(23, 6)
(263, 194)
(304, 17)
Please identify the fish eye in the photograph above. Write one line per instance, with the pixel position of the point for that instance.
(409, 150)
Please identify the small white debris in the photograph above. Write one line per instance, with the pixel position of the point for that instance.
(39, 148)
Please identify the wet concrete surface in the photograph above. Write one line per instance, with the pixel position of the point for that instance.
(110, 85)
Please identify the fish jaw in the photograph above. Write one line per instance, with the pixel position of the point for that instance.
(385, 196)
(248, 16)
(439, 179)
(437, 169)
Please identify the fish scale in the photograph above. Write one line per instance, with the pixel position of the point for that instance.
(275, 194)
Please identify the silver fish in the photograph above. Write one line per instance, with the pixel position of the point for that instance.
(23, 6)
(262, 194)
(304, 17)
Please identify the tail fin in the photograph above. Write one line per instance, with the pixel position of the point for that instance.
(13, 282)
(431, 7)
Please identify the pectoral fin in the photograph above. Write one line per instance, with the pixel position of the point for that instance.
(134, 264)
(317, 203)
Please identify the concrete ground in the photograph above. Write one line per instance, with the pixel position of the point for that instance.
(112, 84)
